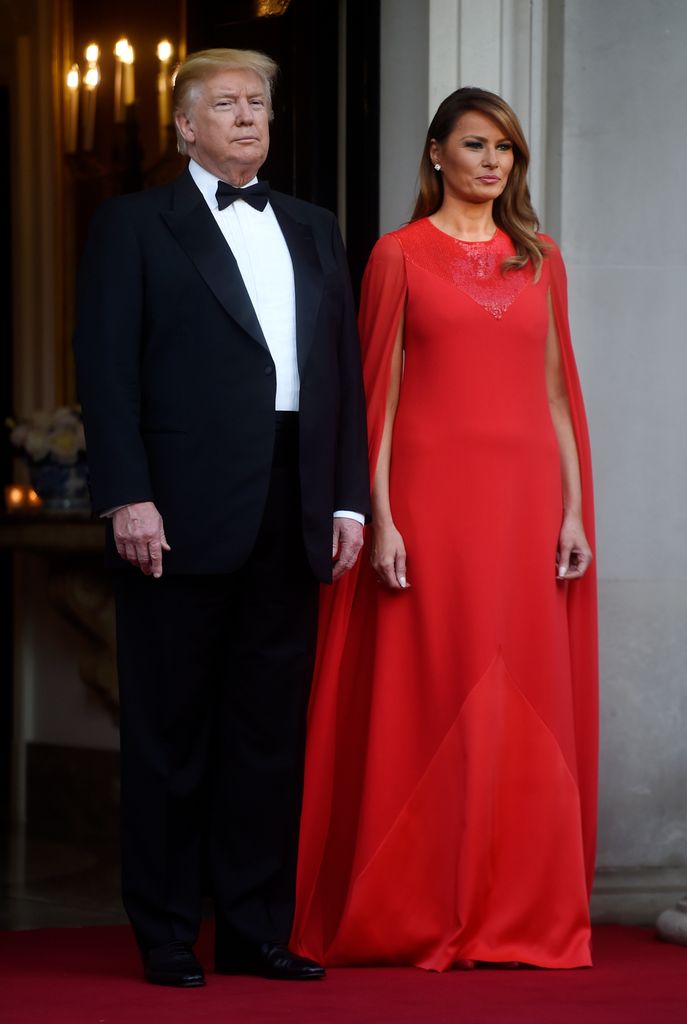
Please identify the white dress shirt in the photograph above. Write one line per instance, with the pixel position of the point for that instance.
(264, 261)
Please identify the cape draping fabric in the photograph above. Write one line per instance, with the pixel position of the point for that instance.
(582, 594)
(335, 916)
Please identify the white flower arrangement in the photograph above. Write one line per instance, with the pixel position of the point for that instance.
(50, 436)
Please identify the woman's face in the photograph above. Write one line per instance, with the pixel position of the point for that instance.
(476, 159)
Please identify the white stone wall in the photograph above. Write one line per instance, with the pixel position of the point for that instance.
(624, 236)
(600, 86)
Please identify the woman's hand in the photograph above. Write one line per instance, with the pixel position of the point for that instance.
(389, 557)
(574, 552)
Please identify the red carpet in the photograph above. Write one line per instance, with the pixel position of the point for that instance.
(92, 976)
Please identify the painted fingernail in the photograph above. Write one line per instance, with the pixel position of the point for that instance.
(562, 570)
(402, 580)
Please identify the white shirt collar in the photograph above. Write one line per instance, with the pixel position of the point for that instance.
(207, 183)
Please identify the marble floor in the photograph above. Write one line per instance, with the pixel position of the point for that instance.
(49, 883)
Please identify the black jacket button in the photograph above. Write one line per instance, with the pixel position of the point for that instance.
(269, 370)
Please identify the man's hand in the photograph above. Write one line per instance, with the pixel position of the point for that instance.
(346, 543)
(140, 536)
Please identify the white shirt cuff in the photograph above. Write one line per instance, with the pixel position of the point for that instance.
(350, 515)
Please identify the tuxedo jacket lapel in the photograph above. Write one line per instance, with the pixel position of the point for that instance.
(196, 230)
(307, 272)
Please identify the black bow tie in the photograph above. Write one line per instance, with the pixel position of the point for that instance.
(256, 195)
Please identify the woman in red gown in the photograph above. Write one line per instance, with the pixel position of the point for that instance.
(450, 798)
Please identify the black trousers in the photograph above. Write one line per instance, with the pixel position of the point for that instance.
(214, 675)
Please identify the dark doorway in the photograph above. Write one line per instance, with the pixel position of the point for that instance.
(304, 39)
(362, 133)
(304, 42)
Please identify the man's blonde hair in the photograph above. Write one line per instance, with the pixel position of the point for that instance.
(198, 67)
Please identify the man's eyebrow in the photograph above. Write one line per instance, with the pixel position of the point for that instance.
(233, 93)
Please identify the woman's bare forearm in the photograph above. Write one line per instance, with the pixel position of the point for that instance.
(381, 505)
(570, 463)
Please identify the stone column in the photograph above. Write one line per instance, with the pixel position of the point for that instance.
(430, 48)
(500, 45)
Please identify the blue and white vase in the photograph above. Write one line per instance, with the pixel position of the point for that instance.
(61, 488)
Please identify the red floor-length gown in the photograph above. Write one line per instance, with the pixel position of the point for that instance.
(450, 797)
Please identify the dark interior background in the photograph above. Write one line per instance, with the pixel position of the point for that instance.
(303, 159)
(5, 452)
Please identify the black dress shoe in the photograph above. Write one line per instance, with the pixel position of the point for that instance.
(173, 964)
(272, 960)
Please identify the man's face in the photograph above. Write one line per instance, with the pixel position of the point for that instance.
(226, 125)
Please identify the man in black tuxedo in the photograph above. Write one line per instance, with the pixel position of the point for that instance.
(219, 375)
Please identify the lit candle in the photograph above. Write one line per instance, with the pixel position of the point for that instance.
(164, 91)
(120, 51)
(21, 497)
(14, 497)
(71, 120)
(128, 90)
(90, 81)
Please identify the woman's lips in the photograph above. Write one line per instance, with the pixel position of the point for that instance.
(490, 179)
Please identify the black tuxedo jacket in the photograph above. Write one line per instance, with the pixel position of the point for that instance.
(177, 384)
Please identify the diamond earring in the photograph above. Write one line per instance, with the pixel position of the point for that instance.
(437, 167)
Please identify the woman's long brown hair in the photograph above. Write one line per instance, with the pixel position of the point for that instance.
(513, 210)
